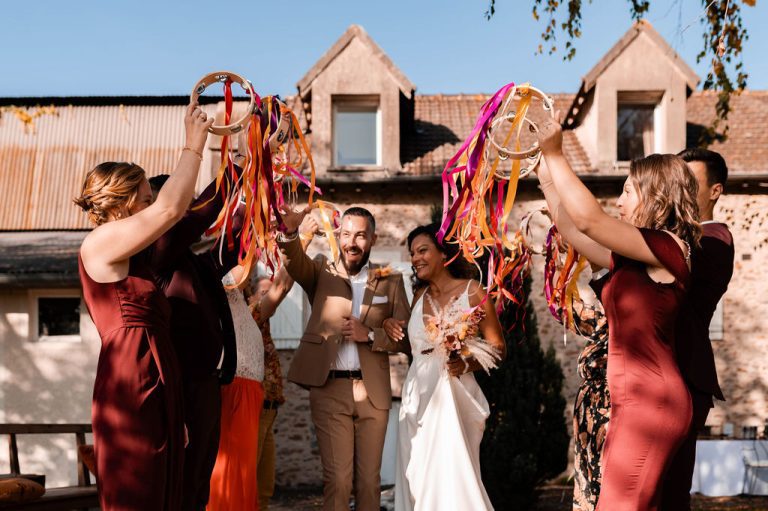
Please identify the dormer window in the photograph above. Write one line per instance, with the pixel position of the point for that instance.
(636, 124)
(356, 131)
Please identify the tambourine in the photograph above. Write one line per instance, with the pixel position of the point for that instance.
(533, 153)
(283, 129)
(527, 235)
(221, 77)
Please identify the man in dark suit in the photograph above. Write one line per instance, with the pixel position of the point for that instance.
(711, 271)
(201, 327)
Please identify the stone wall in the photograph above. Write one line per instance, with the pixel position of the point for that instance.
(742, 355)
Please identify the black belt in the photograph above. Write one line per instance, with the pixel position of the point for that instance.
(271, 405)
(349, 375)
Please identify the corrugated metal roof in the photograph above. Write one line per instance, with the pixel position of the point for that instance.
(42, 171)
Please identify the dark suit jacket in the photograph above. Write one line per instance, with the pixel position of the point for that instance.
(201, 322)
(711, 271)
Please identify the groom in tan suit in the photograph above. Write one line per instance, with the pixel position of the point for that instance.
(343, 355)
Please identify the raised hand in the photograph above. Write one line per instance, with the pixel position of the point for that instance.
(309, 227)
(550, 135)
(292, 219)
(196, 123)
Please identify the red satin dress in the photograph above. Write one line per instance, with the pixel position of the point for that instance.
(650, 404)
(138, 426)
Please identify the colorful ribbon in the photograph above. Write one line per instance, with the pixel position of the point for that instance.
(477, 204)
(275, 152)
(562, 268)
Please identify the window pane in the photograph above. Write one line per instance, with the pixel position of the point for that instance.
(58, 316)
(355, 136)
(635, 131)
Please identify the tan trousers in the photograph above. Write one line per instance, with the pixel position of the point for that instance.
(265, 470)
(350, 434)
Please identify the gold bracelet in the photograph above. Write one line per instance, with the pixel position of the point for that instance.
(197, 153)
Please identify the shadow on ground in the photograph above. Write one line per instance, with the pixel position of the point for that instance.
(554, 498)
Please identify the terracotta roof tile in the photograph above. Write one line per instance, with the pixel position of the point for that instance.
(746, 148)
(442, 122)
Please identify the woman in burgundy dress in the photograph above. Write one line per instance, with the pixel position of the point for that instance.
(138, 427)
(647, 251)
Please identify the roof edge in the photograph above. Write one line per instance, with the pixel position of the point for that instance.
(640, 27)
(106, 100)
(304, 85)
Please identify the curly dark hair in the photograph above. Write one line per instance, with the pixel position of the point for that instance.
(459, 268)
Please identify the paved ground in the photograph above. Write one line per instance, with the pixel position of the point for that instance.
(552, 499)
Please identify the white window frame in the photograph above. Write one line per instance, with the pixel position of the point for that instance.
(285, 343)
(717, 326)
(34, 314)
(640, 98)
(362, 101)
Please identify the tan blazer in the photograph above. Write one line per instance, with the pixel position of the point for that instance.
(330, 293)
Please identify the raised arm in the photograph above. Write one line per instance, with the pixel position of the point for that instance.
(111, 244)
(297, 263)
(597, 254)
(582, 207)
(282, 283)
(197, 218)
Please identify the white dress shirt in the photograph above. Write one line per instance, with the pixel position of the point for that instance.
(347, 358)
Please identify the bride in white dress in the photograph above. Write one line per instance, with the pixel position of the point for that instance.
(443, 410)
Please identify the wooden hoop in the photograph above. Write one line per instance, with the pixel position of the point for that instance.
(533, 154)
(525, 229)
(221, 77)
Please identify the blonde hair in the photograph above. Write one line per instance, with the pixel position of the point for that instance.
(109, 187)
(667, 191)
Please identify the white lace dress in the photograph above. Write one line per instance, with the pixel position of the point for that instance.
(441, 424)
(250, 348)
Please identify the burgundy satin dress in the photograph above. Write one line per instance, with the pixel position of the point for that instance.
(138, 425)
(650, 404)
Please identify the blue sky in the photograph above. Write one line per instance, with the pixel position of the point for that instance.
(140, 47)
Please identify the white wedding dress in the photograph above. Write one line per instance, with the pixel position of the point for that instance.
(441, 424)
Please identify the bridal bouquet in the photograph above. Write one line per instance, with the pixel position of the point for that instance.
(454, 333)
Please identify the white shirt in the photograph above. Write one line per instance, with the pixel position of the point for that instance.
(347, 358)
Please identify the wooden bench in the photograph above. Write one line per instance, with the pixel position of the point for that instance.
(82, 496)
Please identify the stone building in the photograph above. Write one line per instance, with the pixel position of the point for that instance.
(377, 144)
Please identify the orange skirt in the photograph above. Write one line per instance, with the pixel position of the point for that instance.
(233, 482)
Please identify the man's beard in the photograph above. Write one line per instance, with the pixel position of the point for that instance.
(354, 270)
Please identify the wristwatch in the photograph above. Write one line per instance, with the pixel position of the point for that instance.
(371, 337)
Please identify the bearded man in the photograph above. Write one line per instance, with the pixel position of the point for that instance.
(343, 355)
